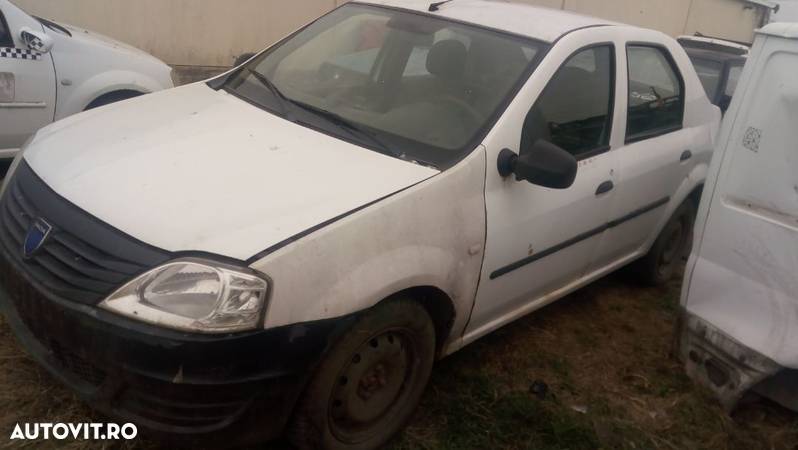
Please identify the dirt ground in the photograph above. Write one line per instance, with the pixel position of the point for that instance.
(603, 355)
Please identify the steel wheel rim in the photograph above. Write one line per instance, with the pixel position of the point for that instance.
(373, 386)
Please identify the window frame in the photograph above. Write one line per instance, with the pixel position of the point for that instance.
(4, 22)
(612, 96)
(682, 94)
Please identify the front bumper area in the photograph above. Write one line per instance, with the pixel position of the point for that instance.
(217, 390)
(722, 364)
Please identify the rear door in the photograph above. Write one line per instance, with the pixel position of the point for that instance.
(656, 156)
(27, 82)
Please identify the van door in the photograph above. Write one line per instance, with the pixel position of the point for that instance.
(27, 83)
(744, 279)
(540, 240)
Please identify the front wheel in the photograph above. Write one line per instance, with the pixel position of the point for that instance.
(370, 383)
(661, 263)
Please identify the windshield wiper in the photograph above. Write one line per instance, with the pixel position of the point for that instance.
(342, 122)
(328, 115)
(267, 83)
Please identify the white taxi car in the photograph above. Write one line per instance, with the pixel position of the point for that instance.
(49, 71)
(292, 244)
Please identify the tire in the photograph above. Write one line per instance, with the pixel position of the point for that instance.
(660, 265)
(370, 383)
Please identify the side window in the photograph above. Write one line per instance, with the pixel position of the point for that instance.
(574, 111)
(656, 93)
(734, 79)
(5, 33)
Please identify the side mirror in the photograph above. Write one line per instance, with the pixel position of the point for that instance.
(544, 165)
(36, 40)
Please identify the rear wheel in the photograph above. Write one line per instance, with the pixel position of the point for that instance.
(370, 383)
(662, 262)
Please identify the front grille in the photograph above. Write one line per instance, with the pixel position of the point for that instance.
(32, 308)
(77, 364)
(82, 259)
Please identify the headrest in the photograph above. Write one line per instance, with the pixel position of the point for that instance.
(447, 59)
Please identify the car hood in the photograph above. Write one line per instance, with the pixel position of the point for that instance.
(193, 169)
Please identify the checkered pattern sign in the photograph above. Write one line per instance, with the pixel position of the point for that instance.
(19, 53)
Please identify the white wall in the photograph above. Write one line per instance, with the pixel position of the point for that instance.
(214, 32)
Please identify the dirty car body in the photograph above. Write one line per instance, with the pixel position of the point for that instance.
(206, 249)
(740, 294)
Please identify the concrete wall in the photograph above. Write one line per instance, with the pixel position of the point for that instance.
(213, 32)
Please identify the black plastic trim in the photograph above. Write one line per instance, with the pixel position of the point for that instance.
(577, 239)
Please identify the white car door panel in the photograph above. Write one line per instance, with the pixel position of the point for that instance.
(27, 84)
(657, 156)
(540, 240)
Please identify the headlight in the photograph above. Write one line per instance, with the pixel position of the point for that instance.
(194, 295)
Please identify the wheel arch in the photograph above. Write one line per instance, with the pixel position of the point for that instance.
(113, 96)
(439, 306)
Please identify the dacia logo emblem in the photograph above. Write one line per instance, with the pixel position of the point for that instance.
(37, 235)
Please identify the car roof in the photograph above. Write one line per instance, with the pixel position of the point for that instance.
(712, 55)
(545, 24)
(710, 43)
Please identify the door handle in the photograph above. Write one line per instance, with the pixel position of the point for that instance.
(687, 154)
(605, 187)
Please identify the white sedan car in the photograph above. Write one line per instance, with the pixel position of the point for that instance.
(295, 242)
(49, 71)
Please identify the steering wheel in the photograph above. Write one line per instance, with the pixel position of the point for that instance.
(470, 111)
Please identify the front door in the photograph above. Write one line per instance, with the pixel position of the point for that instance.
(27, 83)
(540, 240)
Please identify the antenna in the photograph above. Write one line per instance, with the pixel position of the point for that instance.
(436, 6)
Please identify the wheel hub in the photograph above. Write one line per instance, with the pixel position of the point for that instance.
(371, 382)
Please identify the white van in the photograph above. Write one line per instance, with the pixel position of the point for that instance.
(740, 298)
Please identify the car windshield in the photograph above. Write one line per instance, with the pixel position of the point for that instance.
(405, 84)
(709, 72)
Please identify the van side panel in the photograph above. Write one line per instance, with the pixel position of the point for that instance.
(745, 281)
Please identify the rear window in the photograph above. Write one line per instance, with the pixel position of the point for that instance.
(709, 72)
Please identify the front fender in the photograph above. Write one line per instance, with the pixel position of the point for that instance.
(78, 96)
(430, 235)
